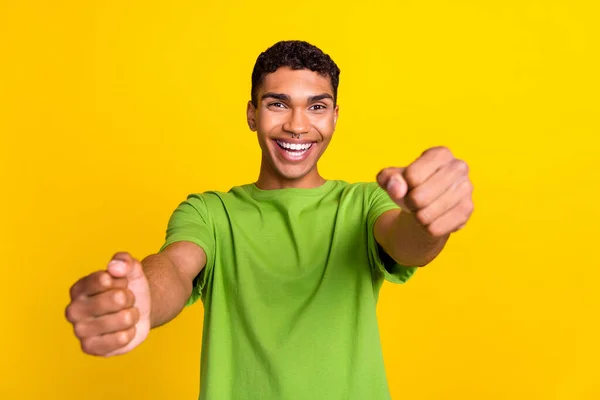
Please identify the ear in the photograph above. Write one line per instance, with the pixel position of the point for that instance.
(251, 116)
(336, 114)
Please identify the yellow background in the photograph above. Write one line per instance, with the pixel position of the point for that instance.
(111, 112)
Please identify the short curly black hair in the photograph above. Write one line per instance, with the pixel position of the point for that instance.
(295, 54)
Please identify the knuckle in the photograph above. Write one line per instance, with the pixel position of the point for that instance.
(80, 329)
(434, 230)
(465, 186)
(127, 317)
(101, 278)
(129, 297)
(78, 286)
(417, 198)
(460, 166)
(70, 313)
(423, 217)
(468, 208)
(441, 151)
(119, 298)
(431, 230)
(123, 337)
(469, 185)
(87, 346)
(411, 175)
(444, 150)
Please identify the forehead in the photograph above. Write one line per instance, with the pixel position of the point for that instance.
(299, 82)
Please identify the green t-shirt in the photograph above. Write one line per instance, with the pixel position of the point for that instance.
(289, 290)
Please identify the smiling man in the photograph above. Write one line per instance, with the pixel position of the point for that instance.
(288, 268)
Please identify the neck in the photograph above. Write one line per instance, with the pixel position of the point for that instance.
(268, 179)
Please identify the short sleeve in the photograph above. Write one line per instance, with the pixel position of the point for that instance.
(191, 222)
(378, 203)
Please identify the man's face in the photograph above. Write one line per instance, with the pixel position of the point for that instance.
(292, 103)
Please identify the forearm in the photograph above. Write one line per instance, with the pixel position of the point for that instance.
(410, 244)
(169, 289)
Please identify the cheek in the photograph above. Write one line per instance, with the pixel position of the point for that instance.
(270, 118)
(325, 126)
(269, 126)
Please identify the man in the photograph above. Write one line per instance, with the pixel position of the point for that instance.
(289, 268)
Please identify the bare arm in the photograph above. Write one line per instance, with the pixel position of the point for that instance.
(405, 240)
(435, 194)
(170, 276)
(113, 310)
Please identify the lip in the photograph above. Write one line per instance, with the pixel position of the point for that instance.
(290, 158)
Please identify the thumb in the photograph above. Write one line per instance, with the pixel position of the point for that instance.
(123, 265)
(392, 181)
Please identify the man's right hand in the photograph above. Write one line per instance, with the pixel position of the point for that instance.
(110, 309)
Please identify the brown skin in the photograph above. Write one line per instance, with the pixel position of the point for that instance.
(113, 310)
(435, 195)
(275, 118)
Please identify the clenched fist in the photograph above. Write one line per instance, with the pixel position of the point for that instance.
(435, 188)
(110, 309)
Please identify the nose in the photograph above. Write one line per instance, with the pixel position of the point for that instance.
(297, 123)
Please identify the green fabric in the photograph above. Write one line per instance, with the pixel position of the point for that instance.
(289, 290)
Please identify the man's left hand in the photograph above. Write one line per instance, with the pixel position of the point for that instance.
(435, 188)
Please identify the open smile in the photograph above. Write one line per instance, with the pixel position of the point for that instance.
(294, 151)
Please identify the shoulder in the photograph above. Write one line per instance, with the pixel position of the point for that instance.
(364, 190)
(211, 195)
(212, 199)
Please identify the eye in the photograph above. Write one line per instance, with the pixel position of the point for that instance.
(318, 107)
(277, 105)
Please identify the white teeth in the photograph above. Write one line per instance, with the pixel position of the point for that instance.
(294, 146)
(296, 153)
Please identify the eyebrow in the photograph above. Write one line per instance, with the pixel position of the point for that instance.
(320, 97)
(276, 96)
(285, 97)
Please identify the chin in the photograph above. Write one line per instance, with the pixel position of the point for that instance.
(293, 173)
